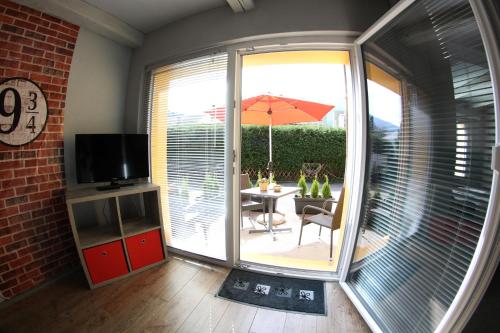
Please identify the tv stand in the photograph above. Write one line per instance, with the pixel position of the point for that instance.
(112, 186)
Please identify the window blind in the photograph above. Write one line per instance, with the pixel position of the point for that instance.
(428, 183)
(187, 152)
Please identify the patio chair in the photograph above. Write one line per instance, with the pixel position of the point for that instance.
(247, 204)
(311, 170)
(325, 218)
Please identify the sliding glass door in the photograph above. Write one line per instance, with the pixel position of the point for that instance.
(187, 152)
(430, 129)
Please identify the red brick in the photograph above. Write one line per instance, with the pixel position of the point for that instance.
(10, 230)
(21, 40)
(54, 72)
(16, 200)
(23, 234)
(9, 4)
(9, 63)
(6, 212)
(6, 193)
(49, 186)
(24, 172)
(51, 18)
(33, 223)
(65, 52)
(40, 196)
(42, 212)
(32, 51)
(13, 72)
(46, 31)
(35, 35)
(24, 24)
(13, 182)
(26, 189)
(16, 245)
(19, 218)
(29, 276)
(5, 174)
(16, 13)
(35, 162)
(11, 47)
(56, 41)
(40, 78)
(6, 19)
(61, 66)
(7, 285)
(22, 287)
(56, 57)
(50, 87)
(6, 155)
(30, 206)
(30, 11)
(42, 61)
(58, 80)
(20, 56)
(36, 179)
(39, 21)
(11, 274)
(44, 46)
(11, 164)
(71, 26)
(12, 28)
(3, 54)
(67, 38)
(31, 68)
(24, 154)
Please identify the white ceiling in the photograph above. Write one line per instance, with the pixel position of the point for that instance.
(148, 15)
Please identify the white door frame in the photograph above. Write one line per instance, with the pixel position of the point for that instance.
(352, 130)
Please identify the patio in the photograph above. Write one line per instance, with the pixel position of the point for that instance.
(314, 251)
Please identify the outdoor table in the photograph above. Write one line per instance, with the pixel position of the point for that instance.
(270, 195)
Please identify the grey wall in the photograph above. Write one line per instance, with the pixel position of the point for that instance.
(95, 101)
(221, 24)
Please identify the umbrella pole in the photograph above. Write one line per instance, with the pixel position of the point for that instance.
(270, 146)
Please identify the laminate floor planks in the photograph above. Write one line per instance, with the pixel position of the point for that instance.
(175, 297)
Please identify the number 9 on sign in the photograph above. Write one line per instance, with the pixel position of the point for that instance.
(23, 111)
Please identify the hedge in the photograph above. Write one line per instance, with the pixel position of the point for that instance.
(292, 146)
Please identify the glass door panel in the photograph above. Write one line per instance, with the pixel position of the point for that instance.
(431, 126)
(187, 152)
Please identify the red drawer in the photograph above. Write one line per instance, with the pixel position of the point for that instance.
(105, 261)
(144, 249)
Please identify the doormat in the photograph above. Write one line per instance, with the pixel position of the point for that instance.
(276, 292)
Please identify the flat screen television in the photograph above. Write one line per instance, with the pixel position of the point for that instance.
(110, 158)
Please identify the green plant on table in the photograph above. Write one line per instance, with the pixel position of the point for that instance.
(326, 192)
(302, 184)
(315, 188)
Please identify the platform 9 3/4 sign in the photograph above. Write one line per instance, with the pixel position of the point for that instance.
(23, 111)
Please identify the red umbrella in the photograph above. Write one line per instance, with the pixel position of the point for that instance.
(276, 110)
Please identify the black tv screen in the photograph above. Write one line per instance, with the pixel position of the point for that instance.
(111, 157)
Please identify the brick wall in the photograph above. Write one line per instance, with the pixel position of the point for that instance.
(35, 237)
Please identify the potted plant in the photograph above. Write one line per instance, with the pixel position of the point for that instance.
(313, 198)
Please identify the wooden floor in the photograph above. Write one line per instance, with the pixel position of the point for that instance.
(175, 297)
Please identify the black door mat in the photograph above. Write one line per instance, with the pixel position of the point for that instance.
(276, 292)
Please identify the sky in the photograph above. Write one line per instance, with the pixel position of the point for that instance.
(321, 83)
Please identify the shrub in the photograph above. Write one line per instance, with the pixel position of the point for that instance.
(302, 184)
(326, 192)
(315, 188)
(294, 145)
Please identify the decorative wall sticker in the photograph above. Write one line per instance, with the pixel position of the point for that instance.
(23, 111)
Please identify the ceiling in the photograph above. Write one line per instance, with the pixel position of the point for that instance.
(149, 15)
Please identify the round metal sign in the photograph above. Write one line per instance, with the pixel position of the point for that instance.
(23, 111)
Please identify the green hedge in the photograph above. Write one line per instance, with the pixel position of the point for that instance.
(292, 146)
